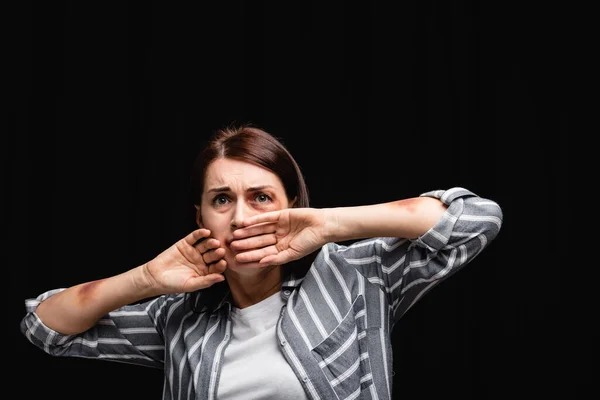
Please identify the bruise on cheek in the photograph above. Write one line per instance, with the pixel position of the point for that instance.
(409, 205)
(86, 291)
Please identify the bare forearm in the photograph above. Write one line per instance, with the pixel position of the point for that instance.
(79, 307)
(409, 218)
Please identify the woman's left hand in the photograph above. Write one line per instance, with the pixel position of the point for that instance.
(278, 237)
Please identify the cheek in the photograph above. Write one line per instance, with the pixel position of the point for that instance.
(217, 224)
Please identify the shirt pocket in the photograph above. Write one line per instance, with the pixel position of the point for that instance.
(343, 355)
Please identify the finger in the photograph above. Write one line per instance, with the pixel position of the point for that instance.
(207, 244)
(212, 256)
(277, 259)
(256, 255)
(192, 252)
(202, 282)
(254, 242)
(269, 260)
(272, 216)
(254, 230)
(196, 235)
(218, 268)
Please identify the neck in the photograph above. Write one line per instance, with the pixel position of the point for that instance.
(248, 290)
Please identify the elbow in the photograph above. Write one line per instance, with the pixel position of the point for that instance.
(431, 212)
(490, 213)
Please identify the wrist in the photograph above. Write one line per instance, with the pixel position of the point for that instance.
(332, 230)
(143, 281)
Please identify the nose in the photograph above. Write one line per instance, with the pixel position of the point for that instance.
(239, 213)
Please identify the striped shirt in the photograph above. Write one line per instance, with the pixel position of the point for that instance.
(334, 330)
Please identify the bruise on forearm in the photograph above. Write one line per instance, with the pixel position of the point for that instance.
(69, 311)
(419, 214)
(86, 291)
(409, 205)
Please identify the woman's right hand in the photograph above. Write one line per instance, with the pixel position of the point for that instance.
(192, 263)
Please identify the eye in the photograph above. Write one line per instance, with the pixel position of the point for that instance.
(220, 200)
(263, 198)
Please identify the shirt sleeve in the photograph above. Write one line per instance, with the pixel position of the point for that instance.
(407, 269)
(126, 335)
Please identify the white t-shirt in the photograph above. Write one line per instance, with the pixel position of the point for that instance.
(253, 365)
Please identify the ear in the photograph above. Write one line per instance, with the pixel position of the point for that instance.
(198, 216)
(293, 203)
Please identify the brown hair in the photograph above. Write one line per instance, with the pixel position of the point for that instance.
(250, 144)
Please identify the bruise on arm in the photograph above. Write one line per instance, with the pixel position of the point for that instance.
(410, 205)
(419, 214)
(86, 291)
(73, 310)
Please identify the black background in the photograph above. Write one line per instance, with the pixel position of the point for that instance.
(376, 100)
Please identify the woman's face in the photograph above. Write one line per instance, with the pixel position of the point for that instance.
(233, 191)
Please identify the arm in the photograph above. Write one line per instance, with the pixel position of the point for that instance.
(180, 268)
(282, 236)
(409, 218)
(409, 246)
(406, 269)
(79, 307)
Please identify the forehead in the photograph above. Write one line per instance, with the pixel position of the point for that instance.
(234, 173)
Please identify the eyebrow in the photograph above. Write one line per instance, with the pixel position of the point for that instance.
(222, 189)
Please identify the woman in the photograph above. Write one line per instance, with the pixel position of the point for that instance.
(261, 301)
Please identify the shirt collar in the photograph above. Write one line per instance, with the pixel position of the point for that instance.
(291, 282)
(287, 287)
